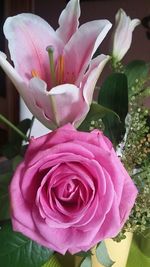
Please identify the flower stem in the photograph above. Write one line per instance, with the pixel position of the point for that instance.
(7, 122)
(32, 121)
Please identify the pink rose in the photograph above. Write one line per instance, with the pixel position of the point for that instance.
(71, 191)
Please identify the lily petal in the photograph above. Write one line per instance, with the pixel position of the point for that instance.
(28, 51)
(12, 74)
(24, 91)
(69, 21)
(92, 75)
(67, 102)
(79, 53)
(38, 91)
(60, 91)
(88, 85)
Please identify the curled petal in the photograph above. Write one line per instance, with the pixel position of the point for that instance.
(66, 101)
(88, 85)
(92, 75)
(38, 90)
(69, 21)
(24, 91)
(122, 35)
(12, 74)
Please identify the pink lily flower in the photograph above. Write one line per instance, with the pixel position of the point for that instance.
(53, 70)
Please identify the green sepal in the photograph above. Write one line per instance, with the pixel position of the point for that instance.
(17, 250)
(103, 256)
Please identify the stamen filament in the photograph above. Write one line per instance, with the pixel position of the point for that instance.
(50, 51)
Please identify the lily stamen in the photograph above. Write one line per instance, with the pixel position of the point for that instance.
(61, 70)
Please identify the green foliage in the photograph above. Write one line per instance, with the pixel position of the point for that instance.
(114, 95)
(136, 72)
(6, 172)
(53, 262)
(136, 257)
(84, 254)
(13, 148)
(19, 251)
(102, 255)
(15, 161)
(4, 198)
(143, 242)
(94, 117)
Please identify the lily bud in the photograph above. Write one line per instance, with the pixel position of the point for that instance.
(122, 35)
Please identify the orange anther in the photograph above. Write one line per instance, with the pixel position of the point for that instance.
(61, 70)
(34, 73)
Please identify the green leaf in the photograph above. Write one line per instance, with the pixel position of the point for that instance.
(96, 112)
(15, 161)
(136, 70)
(114, 129)
(66, 260)
(53, 262)
(4, 197)
(86, 262)
(13, 127)
(5, 166)
(14, 147)
(143, 243)
(136, 257)
(18, 251)
(102, 255)
(114, 95)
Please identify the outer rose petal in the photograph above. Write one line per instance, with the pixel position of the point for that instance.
(122, 35)
(69, 21)
(28, 36)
